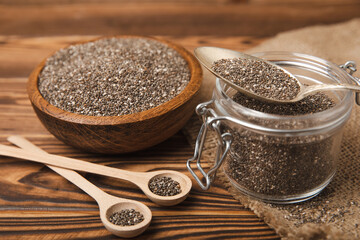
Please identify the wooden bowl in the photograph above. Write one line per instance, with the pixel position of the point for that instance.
(119, 134)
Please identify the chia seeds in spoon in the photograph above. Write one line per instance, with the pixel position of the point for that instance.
(164, 186)
(258, 77)
(113, 77)
(126, 217)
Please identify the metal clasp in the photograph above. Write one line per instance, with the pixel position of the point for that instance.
(210, 122)
(350, 68)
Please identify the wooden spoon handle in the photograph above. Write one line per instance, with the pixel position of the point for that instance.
(74, 164)
(70, 175)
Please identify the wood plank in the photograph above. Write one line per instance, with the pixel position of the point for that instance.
(302, 2)
(56, 2)
(170, 18)
(36, 203)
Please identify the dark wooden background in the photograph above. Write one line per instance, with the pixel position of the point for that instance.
(169, 17)
(36, 203)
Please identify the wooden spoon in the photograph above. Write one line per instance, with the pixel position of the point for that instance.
(208, 55)
(141, 179)
(107, 204)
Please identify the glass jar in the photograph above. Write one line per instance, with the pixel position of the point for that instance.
(277, 158)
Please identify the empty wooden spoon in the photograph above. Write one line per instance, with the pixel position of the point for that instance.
(141, 179)
(108, 204)
(208, 55)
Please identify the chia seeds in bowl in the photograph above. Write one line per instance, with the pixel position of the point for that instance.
(116, 95)
(113, 77)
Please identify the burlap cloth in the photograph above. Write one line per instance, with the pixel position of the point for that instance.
(335, 212)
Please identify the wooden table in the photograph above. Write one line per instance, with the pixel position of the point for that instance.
(36, 203)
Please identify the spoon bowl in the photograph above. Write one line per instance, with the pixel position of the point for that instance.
(182, 179)
(208, 55)
(108, 204)
(109, 207)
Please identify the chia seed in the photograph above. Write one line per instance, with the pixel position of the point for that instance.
(113, 77)
(258, 77)
(319, 212)
(311, 104)
(281, 165)
(164, 186)
(126, 217)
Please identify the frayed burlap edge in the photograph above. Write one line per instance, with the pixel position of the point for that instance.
(327, 42)
(261, 209)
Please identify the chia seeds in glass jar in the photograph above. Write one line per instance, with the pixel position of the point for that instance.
(279, 153)
(281, 165)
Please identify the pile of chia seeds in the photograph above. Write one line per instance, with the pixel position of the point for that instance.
(126, 217)
(113, 77)
(164, 186)
(319, 212)
(311, 104)
(258, 77)
(281, 165)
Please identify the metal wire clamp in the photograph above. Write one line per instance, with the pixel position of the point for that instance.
(350, 67)
(210, 122)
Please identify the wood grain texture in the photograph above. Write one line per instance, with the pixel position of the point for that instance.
(36, 203)
(177, 18)
(108, 204)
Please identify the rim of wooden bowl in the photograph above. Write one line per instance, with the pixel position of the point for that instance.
(190, 90)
